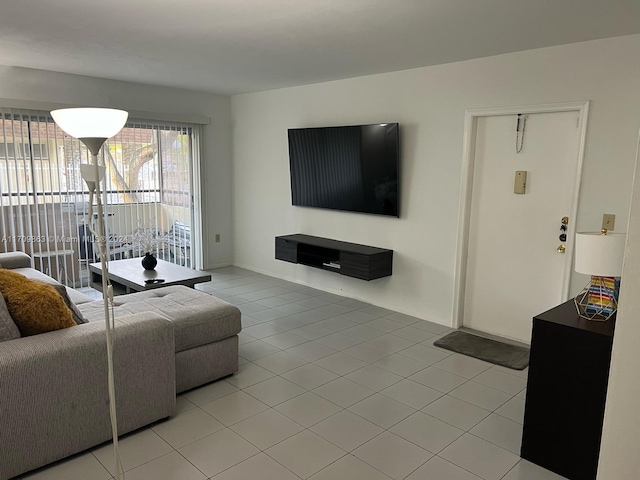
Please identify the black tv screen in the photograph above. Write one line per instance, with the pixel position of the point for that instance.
(352, 168)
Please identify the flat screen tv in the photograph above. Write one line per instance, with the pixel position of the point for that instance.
(352, 168)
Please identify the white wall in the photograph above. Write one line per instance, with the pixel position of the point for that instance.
(621, 432)
(44, 86)
(429, 103)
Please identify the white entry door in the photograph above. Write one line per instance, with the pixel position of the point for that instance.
(514, 270)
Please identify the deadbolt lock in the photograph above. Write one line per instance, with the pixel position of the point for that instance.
(562, 248)
(565, 220)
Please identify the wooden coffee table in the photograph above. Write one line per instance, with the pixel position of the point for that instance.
(128, 275)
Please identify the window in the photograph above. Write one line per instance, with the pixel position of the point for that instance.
(149, 191)
(36, 151)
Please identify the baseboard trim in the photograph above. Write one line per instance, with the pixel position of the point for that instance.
(219, 265)
(341, 293)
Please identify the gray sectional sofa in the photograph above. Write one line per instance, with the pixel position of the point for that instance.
(53, 386)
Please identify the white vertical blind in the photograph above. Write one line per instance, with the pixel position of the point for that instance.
(148, 191)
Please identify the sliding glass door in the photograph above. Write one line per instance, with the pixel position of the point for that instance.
(150, 199)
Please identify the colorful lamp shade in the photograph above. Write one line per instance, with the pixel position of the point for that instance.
(599, 254)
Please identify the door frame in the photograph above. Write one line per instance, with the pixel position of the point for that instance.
(466, 187)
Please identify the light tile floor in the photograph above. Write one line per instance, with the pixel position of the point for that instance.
(329, 388)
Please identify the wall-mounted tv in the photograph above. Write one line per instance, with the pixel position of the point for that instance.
(352, 168)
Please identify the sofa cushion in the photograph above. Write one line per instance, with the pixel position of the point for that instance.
(8, 329)
(34, 307)
(75, 296)
(13, 260)
(78, 297)
(75, 313)
(198, 318)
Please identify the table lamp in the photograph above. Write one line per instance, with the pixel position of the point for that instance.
(600, 255)
(92, 126)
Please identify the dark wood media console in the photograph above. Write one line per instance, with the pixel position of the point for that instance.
(350, 259)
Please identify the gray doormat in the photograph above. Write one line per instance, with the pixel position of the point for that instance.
(492, 351)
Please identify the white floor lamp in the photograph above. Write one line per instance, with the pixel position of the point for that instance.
(93, 126)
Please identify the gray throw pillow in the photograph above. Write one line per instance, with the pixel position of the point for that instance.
(8, 329)
(77, 316)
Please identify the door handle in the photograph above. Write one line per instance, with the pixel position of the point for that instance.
(562, 248)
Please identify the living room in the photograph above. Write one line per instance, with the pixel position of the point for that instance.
(245, 172)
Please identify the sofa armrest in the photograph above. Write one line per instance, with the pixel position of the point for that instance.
(13, 260)
(54, 398)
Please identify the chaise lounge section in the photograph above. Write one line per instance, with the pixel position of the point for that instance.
(205, 328)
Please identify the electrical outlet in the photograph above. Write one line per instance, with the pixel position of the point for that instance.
(609, 221)
(217, 238)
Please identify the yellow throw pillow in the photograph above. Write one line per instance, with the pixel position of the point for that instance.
(35, 307)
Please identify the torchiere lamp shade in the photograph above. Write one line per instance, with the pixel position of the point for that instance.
(90, 122)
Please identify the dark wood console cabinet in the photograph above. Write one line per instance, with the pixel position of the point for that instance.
(566, 392)
(350, 259)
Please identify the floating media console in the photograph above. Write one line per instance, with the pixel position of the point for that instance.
(350, 259)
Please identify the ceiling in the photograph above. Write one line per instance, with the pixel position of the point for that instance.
(238, 46)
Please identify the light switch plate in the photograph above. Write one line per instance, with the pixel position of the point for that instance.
(609, 221)
(520, 182)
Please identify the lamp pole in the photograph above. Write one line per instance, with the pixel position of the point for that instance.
(93, 183)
